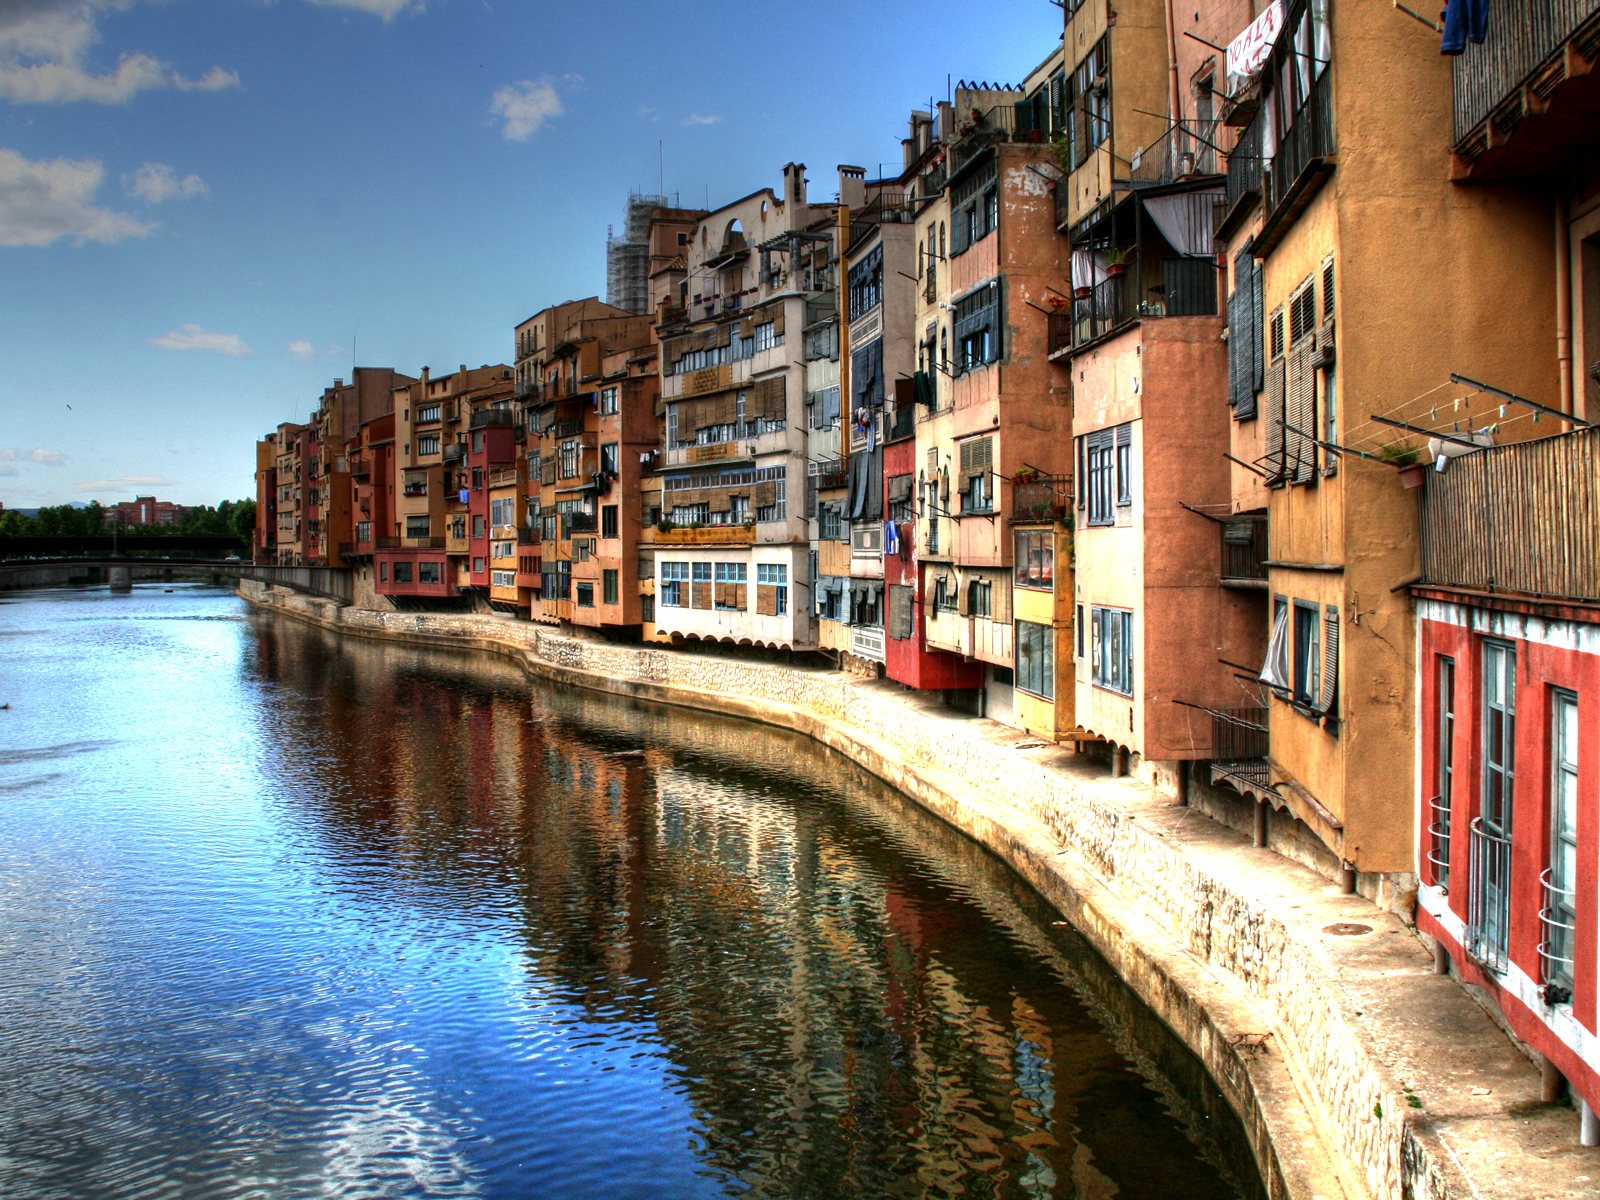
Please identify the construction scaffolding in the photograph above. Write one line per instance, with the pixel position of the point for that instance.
(628, 256)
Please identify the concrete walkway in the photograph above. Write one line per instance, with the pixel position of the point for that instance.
(1357, 1071)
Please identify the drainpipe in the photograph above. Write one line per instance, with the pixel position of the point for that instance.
(1172, 73)
(1568, 392)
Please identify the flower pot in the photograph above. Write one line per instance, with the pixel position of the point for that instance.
(1082, 293)
(1116, 270)
(1412, 475)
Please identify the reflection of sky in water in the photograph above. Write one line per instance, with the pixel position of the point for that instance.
(284, 915)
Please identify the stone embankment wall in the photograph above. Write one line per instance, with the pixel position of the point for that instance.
(1252, 997)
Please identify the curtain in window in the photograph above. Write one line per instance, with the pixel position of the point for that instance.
(1275, 671)
(1186, 221)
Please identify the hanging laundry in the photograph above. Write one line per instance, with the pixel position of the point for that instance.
(891, 538)
(1464, 21)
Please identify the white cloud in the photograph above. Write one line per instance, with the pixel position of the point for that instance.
(192, 337)
(701, 119)
(525, 106)
(123, 484)
(378, 8)
(42, 202)
(43, 44)
(50, 458)
(156, 183)
(301, 350)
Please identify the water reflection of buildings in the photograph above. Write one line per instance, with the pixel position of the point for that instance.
(819, 958)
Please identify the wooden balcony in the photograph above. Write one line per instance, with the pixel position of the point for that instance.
(1519, 518)
(1528, 98)
(703, 535)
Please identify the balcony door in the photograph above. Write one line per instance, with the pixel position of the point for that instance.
(1490, 902)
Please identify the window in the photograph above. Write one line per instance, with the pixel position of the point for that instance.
(766, 336)
(866, 377)
(428, 412)
(427, 572)
(503, 512)
(608, 585)
(944, 596)
(418, 526)
(1124, 463)
(866, 283)
(822, 341)
(585, 595)
(568, 455)
(901, 604)
(979, 598)
(479, 566)
(977, 459)
(1036, 659)
(824, 406)
(772, 589)
(700, 585)
(1246, 361)
(503, 579)
(477, 526)
(608, 521)
(729, 578)
(609, 398)
(1112, 650)
(609, 459)
(975, 207)
(502, 549)
(673, 576)
(1034, 558)
(383, 572)
(829, 527)
(977, 327)
(402, 572)
(1307, 654)
(427, 443)
(1489, 902)
(1560, 915)
(1099, 467)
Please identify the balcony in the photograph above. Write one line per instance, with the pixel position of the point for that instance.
(717, 452)
(866, 641)
(1239, 748)
(982, 129)
(1489, 897)
(702, 535)
(1557, 938)
(454, 452)
(1529, 96)
(1507, 519)
(578, 522)
(414, 489)
(486, 418)
(409, 543)
(1244, 552)
(1162, 287)
(1303, 162)
(503, 477)
(1037, 499)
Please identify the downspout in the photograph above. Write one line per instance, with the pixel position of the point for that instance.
(1175, 112)
(1564, 382)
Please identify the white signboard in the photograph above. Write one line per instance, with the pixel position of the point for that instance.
(1249, 50)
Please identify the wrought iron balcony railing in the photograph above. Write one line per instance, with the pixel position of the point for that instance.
(1489, 897)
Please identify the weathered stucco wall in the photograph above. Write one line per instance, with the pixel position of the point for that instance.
(1253, 998)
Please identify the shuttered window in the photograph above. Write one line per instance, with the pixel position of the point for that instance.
(1328, 693)
(1244, 337)
(900, 610)
(1276, 389)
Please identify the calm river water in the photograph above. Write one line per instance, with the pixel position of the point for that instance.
(283, 915)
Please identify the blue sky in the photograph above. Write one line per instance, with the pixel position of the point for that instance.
(210, 208)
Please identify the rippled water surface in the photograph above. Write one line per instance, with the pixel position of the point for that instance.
(282, 915)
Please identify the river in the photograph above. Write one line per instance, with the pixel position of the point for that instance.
(285, 915)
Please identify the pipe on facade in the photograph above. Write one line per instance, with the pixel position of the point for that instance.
(1564, 380)
(1172, 72)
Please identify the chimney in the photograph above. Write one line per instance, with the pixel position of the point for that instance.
(852, 187)
(794, 183)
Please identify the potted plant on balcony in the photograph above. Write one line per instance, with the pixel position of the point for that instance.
(1116, 262)
(1412, 470)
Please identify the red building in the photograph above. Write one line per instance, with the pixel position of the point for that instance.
(1508, 664)
(144, 510)
(907, 657)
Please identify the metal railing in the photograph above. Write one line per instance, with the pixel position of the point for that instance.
(982, 129)
(1058, 332)
(1489, 897)
(486, 417)
(1521, 38)
(1244, 549)
(1245, 164)
(1309, 138)
(1439, 842)
(1557, 932)
(1517, 518)
(1041, 498)
(577, 522)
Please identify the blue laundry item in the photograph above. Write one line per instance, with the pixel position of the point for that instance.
(1464, 21)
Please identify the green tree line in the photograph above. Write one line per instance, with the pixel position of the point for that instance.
(236, 517)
